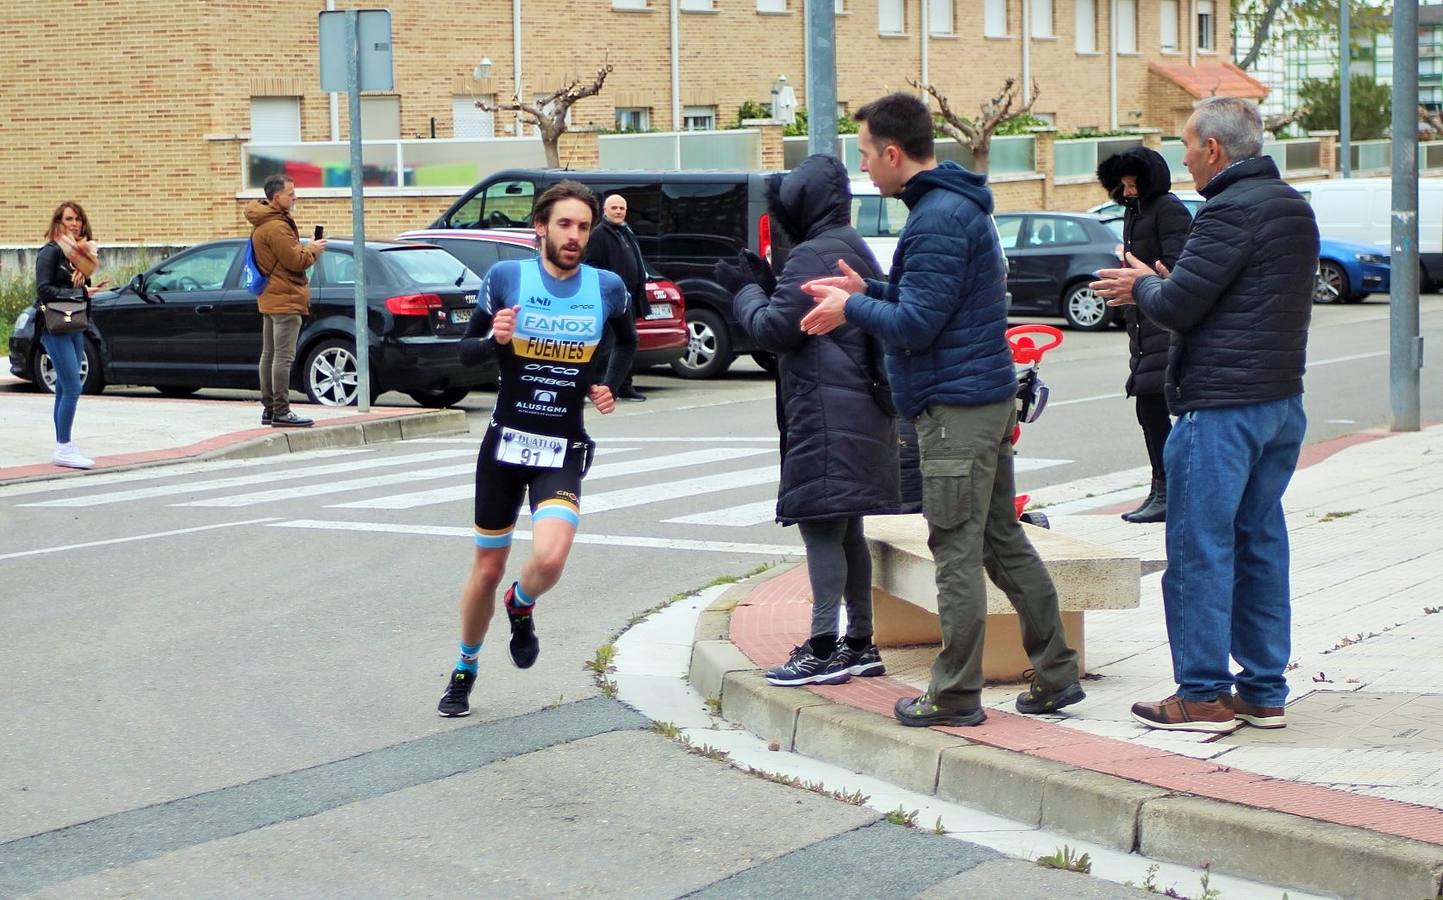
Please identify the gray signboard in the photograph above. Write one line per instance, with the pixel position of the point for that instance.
(375, 51)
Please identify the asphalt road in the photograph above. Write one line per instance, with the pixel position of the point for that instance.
(220, 678)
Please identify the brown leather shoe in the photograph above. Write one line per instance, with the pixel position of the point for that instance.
(1176, 714)
(1257, 716)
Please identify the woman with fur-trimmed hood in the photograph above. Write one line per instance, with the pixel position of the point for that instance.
(1154, 229)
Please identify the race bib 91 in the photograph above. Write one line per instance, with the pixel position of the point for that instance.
(522, 448)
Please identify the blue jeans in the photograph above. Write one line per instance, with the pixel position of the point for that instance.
(1225, 590)
(66, 351)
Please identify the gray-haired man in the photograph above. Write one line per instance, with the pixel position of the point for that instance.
(1238, 303)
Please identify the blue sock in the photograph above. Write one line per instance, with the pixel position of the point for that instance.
(469, 652)
(519, 598)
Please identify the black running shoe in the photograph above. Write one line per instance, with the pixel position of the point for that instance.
(922, 712)
(456, 702)
(524, 646)
(805, 668)
(864, 663)
(1039, 699)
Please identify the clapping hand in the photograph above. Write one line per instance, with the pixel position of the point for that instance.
(761, 271)
(1116, 284)
(831, 295)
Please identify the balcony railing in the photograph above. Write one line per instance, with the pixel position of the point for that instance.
(1011, 154)
(420, 165)
(1303, 155)
(1371, 157)
(1077, 158)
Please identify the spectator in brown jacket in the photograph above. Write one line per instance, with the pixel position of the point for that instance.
(286, 298)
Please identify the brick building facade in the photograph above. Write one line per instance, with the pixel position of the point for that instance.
(143, 118)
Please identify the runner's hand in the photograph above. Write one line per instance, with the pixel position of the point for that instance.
(601, 396)
(503, 325)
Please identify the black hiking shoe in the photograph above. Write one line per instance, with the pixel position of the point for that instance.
(864, 663)
(291, 420)
(1038, 699)
(524, 646)
(265, 417)
(804, 667)
(921, 712)
(456, 702)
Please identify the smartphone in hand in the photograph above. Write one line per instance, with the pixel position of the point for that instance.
(320, 232)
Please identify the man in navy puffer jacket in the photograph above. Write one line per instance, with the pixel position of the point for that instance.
(943, 318)
(1238, 304)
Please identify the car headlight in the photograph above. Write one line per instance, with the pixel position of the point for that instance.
(1371, 259)
(24, 318)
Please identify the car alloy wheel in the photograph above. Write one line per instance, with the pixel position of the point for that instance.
(1084, 309)
(90, 382)
(708, 349)
(331, 377)
(1331, 284)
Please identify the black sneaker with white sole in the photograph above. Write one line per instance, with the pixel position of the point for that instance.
(456, 702)
(805, 668)
(864, 663)
(524, 646)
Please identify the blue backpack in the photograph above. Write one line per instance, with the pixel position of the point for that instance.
(252, 278)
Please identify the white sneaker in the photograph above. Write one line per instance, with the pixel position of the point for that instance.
(66, 455)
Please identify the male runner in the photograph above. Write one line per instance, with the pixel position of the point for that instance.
(546, 318)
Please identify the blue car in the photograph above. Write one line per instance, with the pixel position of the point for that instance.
(1348, 271)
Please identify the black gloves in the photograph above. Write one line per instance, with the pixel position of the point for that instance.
(761, 271)
(750, 269)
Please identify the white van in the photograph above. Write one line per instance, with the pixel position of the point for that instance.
(1361, 209)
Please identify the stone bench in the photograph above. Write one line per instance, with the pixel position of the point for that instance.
(904, 591)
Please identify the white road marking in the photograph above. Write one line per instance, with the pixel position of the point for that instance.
(604, 540)
(151, 473)
(341, 468)
(605, 439)
(1033, 463)
(742, 516)
(1313, 363)
(134, 537)
(1052, 403)
(295, 492)
(677, 490)
(606, 470)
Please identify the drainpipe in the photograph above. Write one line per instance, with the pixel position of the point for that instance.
(1026, 51)
(675, 69)
(335, 103)
(1192, 31)
(1112, 62)
(516, 56)
(926, 31)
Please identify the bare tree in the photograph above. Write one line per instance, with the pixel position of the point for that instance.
(977, 133)
(1307, 16)
(549, 113)
(1260, 33)
(1275, 123)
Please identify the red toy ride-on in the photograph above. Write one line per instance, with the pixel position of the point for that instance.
(1029, 343)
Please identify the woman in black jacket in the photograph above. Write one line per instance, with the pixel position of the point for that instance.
(839, 447)
(62, 272)
(1154, 229)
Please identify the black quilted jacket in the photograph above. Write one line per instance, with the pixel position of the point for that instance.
(1241, 295)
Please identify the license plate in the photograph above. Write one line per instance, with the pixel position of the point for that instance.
(660, 311)
(460, 315)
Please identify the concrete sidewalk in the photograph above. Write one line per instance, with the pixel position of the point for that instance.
(1347, 800)
(128, 431)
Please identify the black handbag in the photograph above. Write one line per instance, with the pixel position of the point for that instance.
(67, 314)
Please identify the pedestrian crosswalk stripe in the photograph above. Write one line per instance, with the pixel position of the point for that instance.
(742, 516)
(268, 477)
(604, 540)
(677, 490)
(598, 472)
(295, 492)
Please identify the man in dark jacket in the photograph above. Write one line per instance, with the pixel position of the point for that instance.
(943, 318)
(1154, 228)
(613, 247)
(839, 453)
(1238, 303)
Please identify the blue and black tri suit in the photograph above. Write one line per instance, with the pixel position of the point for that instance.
(536, 442)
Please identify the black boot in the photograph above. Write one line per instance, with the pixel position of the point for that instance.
(1127, 516)
(1155, 509)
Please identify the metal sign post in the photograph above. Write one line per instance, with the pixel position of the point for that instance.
(1345, 90)
(355, 49)
(821, 77)
(1405, 341)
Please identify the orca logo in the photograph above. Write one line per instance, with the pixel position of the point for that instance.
(555, 370)
(543, 396)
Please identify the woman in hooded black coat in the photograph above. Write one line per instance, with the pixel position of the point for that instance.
(840, 444)
(1154, 229)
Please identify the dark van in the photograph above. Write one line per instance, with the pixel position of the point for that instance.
(684, 221)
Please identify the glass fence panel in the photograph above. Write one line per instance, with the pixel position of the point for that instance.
(1108, 146)
(1172, 151)
(458, 164)
(720, 150)
(1013, 155)
(322, 165)
(1072, 159)
(1374, 154)
(1303, 154)
(1431, 155)
(1279, 153)
(638, 151)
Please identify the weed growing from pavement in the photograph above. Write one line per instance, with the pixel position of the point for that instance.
(666, 729)
(900, 816)
(1066, 858)
(608, 687)
(938, 829)
(1329, 517)
(855, 798)
(1209, 892)
(706, 750)
(713, 706)
(601, 663)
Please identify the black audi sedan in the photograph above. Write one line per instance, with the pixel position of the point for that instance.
(188, 324)
(1051, 257)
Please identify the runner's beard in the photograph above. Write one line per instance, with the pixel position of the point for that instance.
(553, 255)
